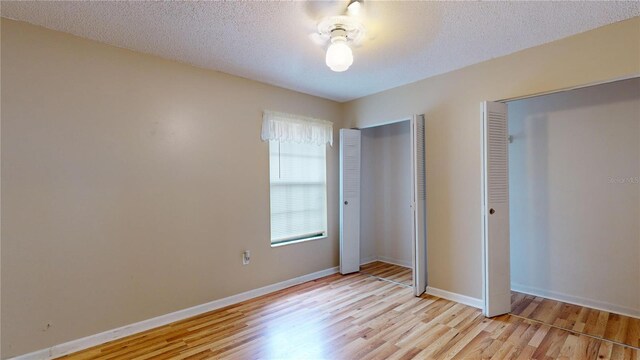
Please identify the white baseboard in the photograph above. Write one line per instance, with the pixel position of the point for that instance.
(387, 260)
(368, 260)
(393, 261)
(576, 300)
(109, 335)
(462, 299)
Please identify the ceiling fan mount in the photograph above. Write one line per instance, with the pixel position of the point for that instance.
(344, 26)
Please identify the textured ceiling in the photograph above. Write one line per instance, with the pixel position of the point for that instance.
(272, 42)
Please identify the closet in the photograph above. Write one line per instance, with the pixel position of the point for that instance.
(560, 187)
(383, 197)
(386, 214)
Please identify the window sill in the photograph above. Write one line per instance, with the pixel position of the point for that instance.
(284, 243)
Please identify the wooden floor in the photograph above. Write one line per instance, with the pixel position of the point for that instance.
(356, 316)
(601, 324)
(399, 274)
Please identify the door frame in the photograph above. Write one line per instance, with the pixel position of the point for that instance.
(482, 208)
(411, 120)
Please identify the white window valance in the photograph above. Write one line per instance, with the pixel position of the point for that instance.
(298, 129)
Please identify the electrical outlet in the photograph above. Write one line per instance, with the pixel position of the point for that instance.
(246, 257)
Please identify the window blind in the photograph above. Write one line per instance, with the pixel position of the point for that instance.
(298, 190)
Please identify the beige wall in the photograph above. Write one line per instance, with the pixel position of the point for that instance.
(131, 185)
(451, 103)
(574, 168)
(385, 215)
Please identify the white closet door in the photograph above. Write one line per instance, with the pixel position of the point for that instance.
(419, 205)
(349, 201)
(497, 284)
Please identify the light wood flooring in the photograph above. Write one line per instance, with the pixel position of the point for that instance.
(356, 316)
(601, 324)
(399, 274)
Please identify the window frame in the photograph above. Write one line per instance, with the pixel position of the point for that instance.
(303, 237)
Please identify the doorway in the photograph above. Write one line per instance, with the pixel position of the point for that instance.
(386, 236)
(383, 197)
(573, 206)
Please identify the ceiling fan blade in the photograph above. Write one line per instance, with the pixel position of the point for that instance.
(316, 10)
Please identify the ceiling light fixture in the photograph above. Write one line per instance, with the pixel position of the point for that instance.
(339, 55)
(340, 31)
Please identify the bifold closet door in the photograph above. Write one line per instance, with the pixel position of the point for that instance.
(495, 209)
(349, 201)
(419, 204)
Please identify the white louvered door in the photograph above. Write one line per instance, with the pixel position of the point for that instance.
(419, 205)
(497, 291)
(349, 201)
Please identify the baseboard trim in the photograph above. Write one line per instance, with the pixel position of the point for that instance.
(114, 334)
(462, 299)
(576, 300)
(387, 260)
(368, 260)
(393, 261)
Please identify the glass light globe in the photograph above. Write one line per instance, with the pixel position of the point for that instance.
(339, 56)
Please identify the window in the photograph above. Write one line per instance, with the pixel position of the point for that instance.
(298, 191)
(297, 172)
